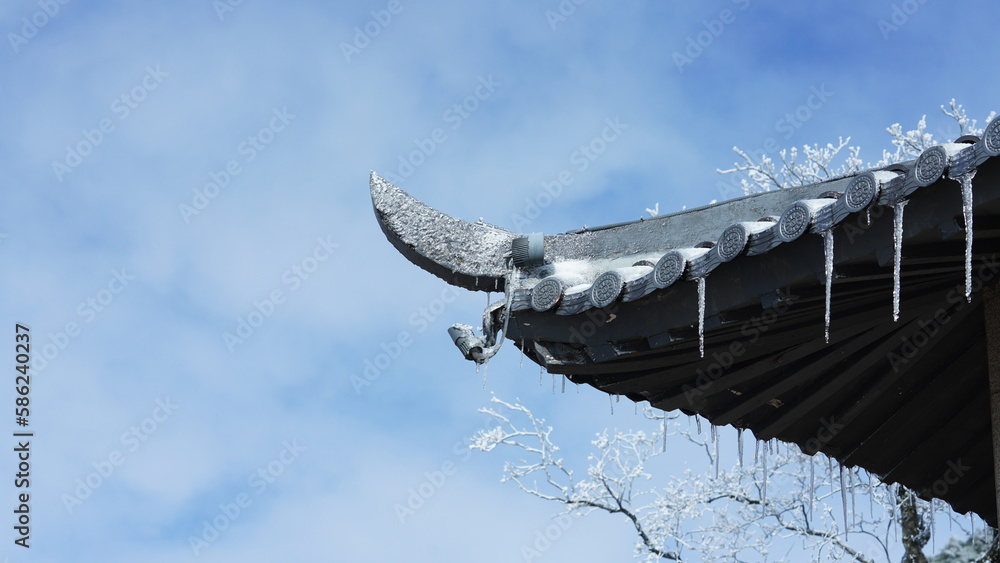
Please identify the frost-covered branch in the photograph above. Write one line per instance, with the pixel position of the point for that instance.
(762, 174)
(817, 166)
(735, 513)
(614, 470)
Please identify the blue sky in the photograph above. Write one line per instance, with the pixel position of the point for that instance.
(175, 169)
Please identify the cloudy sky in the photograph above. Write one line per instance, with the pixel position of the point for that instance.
(187, 232)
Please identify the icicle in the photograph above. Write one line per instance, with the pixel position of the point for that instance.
(756, 454)
(966, 180)
(697, 421)
(843, 499)
(664, 433)
(897, 244)
(521, 364)
(564, 384)
(828, 270)
(868, 217)
(541, 373)
(894, 515)
(739, 444)
(715, 441)
(612, 401)
(812, 485)
(554, 384)
(850, 487)
(486, 367)
(701, 316)
(763, 494)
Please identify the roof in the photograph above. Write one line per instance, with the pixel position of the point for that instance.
(618, 307)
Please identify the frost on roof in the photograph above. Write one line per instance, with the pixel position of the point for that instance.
(474, 249)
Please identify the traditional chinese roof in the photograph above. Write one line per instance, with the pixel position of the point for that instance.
(625, 307)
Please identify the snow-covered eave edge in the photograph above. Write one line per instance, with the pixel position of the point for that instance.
(607, 271)
(594, 267)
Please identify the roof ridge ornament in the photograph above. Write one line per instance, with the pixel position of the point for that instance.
(474, 256)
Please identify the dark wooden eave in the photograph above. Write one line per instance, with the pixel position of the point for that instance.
(908, 400)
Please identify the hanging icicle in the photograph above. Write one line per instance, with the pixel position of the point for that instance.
(701, 317)
(763, 494)
(739, 444)
(812, 485)
(564, 384)
(697, 422)
(521, 364)
(850, 488)
(756, 454)
(893, 514)
(715, 442)
(763, 499)
(843, 499)
(612, 401)
(553, 384)
(486, 367)
(828, 271)
(897, 245)
(664, 433)
(966, 180)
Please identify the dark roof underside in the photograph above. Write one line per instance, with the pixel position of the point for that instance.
(907, 400)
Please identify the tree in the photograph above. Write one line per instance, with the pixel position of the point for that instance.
(726, 513)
